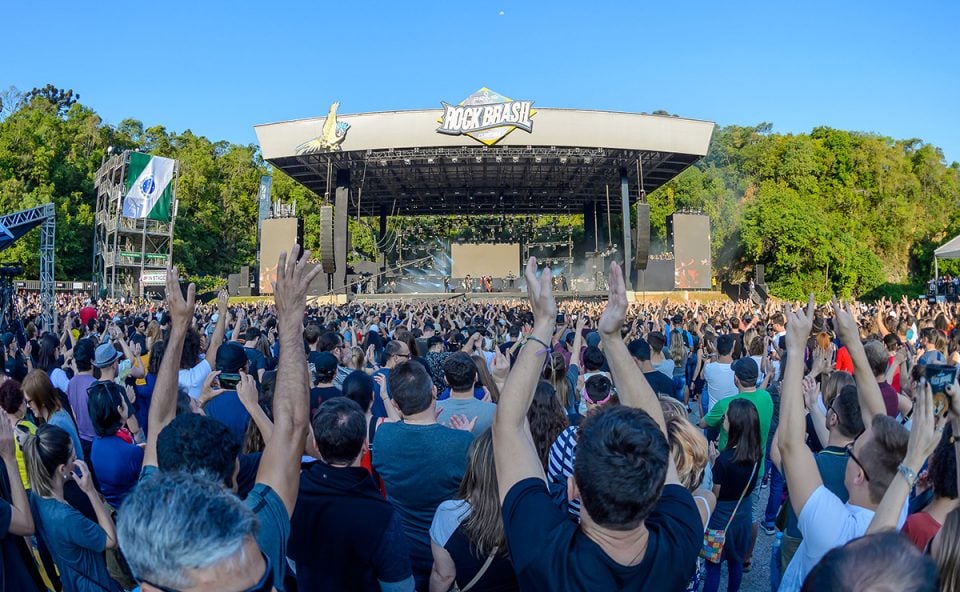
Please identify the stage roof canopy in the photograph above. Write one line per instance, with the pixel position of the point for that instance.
(401, 163)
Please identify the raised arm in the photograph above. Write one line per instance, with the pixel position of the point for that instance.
(868, 391)
(280, 464)
(163, 405)
(250, 398)
(925, 434)
(632, 388)
(512, 443)
(578, 341)
(221, 328)
(21, 519)
(799, 466)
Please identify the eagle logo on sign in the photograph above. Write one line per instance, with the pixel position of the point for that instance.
(331, 136)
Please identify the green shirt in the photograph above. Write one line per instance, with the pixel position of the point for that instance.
(764, 404)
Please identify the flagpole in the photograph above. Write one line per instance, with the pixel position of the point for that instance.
(173, 214)
(143, 253)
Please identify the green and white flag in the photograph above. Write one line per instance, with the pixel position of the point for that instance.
(149, 188)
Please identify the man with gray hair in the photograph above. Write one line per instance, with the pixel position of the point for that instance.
(185, 532)
(268, 506)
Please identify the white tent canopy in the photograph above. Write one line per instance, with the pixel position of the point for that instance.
(948, 250)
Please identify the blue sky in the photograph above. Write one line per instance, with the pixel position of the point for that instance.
(218, 68)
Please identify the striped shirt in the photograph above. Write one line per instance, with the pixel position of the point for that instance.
(560, 466)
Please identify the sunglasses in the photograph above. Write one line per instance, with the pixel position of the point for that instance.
(849, 448)
(264, 585)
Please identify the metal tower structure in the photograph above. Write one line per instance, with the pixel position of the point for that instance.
(129, 254)
(18, 224)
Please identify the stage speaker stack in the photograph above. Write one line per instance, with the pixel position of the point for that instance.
(328, 259)
(758, 275)
(277, 234)
(642, 252)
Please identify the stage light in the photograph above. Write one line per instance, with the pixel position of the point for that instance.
(537, 160)
(430, 160)
(563, 160)
(406, 161)
(499, 159)
(454, 159)
(479, 159)
(516, 159)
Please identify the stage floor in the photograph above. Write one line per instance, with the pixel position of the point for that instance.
(592, 296)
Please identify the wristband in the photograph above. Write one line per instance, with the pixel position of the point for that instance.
(908, 474)
(532, 338)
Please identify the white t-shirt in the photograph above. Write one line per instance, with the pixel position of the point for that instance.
(666, 367)
(192, 379)
(825, 522)
(720, 384)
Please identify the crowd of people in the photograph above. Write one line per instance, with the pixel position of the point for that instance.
(485, 446)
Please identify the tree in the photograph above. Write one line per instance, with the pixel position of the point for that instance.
(59, 98)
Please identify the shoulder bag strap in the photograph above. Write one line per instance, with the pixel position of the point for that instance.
(483, 570)
(742, 495)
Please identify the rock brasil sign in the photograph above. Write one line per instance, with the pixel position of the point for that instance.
(486, 116)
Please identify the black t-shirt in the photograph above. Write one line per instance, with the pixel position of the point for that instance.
(17, 569)
(659, 382)
(732, 477)
(320, 394)
(549, 552)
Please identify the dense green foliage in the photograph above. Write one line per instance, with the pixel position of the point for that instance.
(828, 211)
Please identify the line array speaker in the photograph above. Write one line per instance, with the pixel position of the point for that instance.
(327, 255)
(642, 252)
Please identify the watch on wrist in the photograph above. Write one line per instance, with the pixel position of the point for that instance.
(908, 474)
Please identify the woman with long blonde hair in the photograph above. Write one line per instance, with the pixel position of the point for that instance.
(945, 549)
(467, 536)
(75, 542)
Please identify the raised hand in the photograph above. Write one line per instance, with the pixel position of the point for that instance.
(381, 381)
(208, 391)
(82, 477)
(582, 321)
(926, 430)
(811, 392)
(247, 390)
(7, 449)
(460, 422)
(611, 320)
(293, 280)
(180, 308)
(540, 292)
(845, 321)
(799, 324)
(222, 298)
(499, 366)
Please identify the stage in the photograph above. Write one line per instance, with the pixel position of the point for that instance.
(677, 296)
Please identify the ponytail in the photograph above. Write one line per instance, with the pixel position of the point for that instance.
(44, 451)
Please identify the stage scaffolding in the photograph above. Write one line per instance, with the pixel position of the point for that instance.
(127, 250)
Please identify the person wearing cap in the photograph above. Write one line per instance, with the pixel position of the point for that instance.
(223, 403)
(325, 366)
(745, 374)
